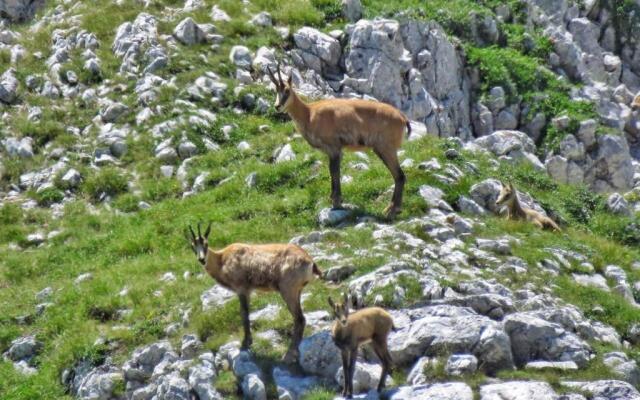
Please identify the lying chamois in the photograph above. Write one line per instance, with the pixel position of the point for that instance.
(333, 124)
(371, 324)
(243, 268)
(509, 197)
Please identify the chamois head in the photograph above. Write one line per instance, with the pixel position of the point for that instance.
(283, 89)
(340, 310)
(200, 244)
(507, 194)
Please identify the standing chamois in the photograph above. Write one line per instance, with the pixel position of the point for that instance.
(333, 124)
(349, 331)
(243, 268)
(509, 196)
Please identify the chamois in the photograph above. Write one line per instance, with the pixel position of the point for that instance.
(333, 124)
(509, 197)
(349, 331)
(635, 104)
(243, 268)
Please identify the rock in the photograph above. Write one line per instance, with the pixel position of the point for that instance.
(293, 387)
(439, 391)
(262, 20)
(219, 15)
(215, 297)
(558, 365)
(253, 388)
(365, 377)
(189, 33)
(191, 346)
(468, 206)
(505, 120)
(44, 294)
(24, 368)
(533, 338)
(352, 10)
(587, 132)
(19, 10)
(461, 364)
(571, 149)
(22, 148)
(334, 217)
(442, 328)
(173, 387)
(319, 355)
(338, 274)
(618, 205)
(505, 143)
(187, 149)
(83, 278)
(486, 193)
(518, 390)
(316, 50)
(99, 384)
(137, 42)
(23, 348)
(434, 197)
(633, 334)
(241, 57)
(8, 84)
(623, 367)
(113, 112)
(284, 154)
(72, 179)
(201, 378)
(165, 152)
(144, 361)
(605, 389)
(595, 280)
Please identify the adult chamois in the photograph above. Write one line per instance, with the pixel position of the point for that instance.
(349, 331)
(243, 268)
(333, 124)
(509, 196)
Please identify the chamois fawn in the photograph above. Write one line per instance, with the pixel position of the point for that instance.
(349, 331)
(509, 196)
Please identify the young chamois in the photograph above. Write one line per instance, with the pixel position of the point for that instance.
(509, 196)
(333, 124)
(349, 331)
(243, 268)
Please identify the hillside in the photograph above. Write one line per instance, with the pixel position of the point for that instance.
(124, 121)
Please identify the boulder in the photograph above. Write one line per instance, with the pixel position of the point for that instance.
(19, 10)
(352, 10)
(605, 389)
(319, 355)
(8, 86)
(316, 50)
(189, 33)
(518, 390)
(440, 391)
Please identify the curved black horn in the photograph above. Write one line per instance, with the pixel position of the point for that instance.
(199, 234)
(272, 77)
(279, 76)
(207, 231)
(193, 235)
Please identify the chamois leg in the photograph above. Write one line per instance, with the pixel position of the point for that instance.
(353, 356)
(293, 303)
(385, 358)
(244, 311)
(345, 372)
(334, 170)
(390, 160)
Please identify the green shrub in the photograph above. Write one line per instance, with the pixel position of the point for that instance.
(127, 202)
(160, 189)
(49, 196)
(109, 181)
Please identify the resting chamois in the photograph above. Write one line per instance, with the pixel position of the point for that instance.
(333, 124)
(349, 331)
(509, 197)
(243, 268)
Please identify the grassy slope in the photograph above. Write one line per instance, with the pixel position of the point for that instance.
(134, 251)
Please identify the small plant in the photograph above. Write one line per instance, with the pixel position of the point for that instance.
(48, 196)
(109, 181)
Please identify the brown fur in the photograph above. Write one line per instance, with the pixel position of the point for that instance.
(334, 124)
(349, 331)
(516, 211)
(635, 104)
(243, 268)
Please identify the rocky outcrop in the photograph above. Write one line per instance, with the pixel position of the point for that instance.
(19, 10)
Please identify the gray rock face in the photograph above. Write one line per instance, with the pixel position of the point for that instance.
(173, 387)
(316, 50)
(292, 387)
(319, 355)
(623, 367)
(189, 33)
(508, 143)
(437, 329)
(365, 377)
(518, 390)
(606, 389)
(533, 338)
(23, 348)
(253, 388)
(461, 364)
(241, 57)
(113, 111)
(19, 10)
(334, 217)
(215, 297)
(440, 391)
(352, 10)
(21, 148)
(618, 205)
(136, 43)
(99, 384)
(8, 87)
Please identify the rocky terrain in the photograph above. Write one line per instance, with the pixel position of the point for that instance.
(125, 120)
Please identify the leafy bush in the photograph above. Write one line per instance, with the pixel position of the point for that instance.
(127, 203)
(109, 181)
(49, 196)
(160, 189)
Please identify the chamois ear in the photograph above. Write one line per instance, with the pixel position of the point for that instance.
(207, 231)
(331, 303)
(346, 303)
